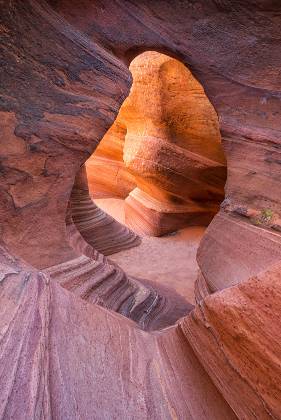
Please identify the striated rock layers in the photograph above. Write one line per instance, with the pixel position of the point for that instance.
(62, 358)
(44, 148)
(64, 76)
(167, 138)
(106, 171)
(98, 229)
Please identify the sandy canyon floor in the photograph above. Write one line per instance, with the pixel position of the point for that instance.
(169, 260)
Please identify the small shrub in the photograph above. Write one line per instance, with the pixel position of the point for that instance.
(263, 218)
(266, 215)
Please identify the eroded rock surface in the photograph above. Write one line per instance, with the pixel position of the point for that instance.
(100, 230)
(64, 77)
(106, 171)
(167, 138)
(62, 357)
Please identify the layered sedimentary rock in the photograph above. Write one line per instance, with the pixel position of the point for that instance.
(63, 78)
(59, 99)
(99, 281)
(106, 170)
(50, 132)
(64, 358)
(162, 368)
(171, 147)
(239, 329)
(100, 230)
(244, 248)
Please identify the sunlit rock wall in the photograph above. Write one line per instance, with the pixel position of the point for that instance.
(64, 76)
(166, 138)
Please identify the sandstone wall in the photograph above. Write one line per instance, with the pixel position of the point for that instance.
(64, 76)
(166, 139)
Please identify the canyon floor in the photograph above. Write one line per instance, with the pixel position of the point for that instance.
(169, 260)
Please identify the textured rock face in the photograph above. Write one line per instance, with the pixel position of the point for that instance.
(106, 170)
(97, 228)
(48, 140)
(235, 327)
(97, 279)
(58, 351)
(171, 147)
(64, 357)
(52, 120)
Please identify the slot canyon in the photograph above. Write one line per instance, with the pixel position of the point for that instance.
(140, 226)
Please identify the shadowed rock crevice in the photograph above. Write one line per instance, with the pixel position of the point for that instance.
(100, 230)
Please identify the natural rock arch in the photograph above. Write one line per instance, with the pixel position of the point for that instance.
(56, 82)
(163, 154)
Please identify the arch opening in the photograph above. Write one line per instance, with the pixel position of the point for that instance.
(161, 170)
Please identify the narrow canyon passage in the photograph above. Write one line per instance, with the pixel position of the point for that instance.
(160, 170)
(139, 109)
(163, 154)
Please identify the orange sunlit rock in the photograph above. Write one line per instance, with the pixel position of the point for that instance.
(80, 338)
(166, 141)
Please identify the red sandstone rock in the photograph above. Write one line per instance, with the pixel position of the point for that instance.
(106, 171)
(237, 250)
(63, 357)
(100, 230)
(168, 138)
(239, 330)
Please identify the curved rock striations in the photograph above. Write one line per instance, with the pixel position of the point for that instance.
(62, 357)
(171, 148)
(55, 109)
(239, 330)
(106, 171)
(153, 217)
(226, 49)
(100, 281)
(161, 366)
(61, 92)
(237, 249)
(100, 230)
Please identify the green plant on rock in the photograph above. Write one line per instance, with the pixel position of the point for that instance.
(264, 218)
(266, 215)
(256, 221)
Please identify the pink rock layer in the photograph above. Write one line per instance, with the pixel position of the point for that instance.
(149, 217)
(100, 230)
(62, 357)
(168, 369)
(63, 79)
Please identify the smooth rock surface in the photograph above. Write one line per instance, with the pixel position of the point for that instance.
(98, 229)
(64, 75)
(152, 258)
(166, 139)
(64, 358)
